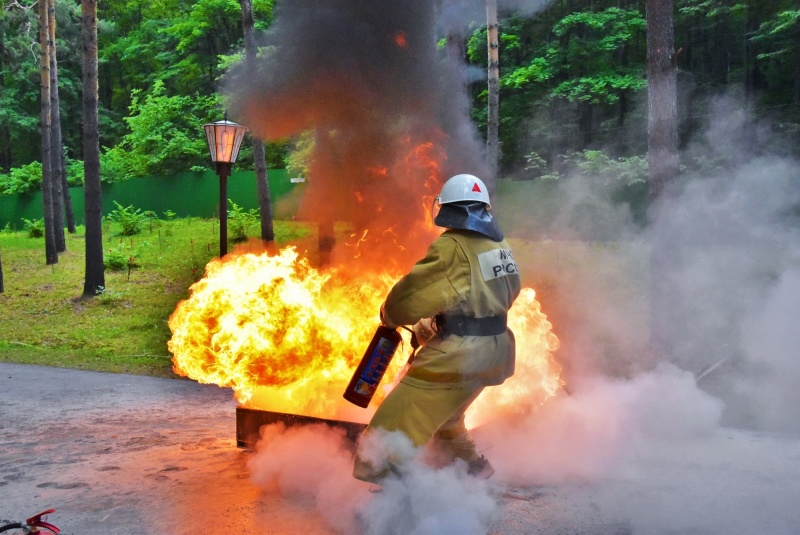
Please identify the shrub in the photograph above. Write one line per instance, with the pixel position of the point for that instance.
(129, 218)
(35, 228)
(539, 167)
(74, 172)
(123, 257)
(28, 177)
(22, 179)
(593, 163)
(240, 221)
(109, 297)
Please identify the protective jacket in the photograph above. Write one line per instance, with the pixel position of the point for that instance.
(464, 273)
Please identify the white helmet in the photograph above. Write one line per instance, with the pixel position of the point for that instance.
(464, 188)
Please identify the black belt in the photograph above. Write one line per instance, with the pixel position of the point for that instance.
(470, 326)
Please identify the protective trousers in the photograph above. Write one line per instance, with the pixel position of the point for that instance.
(423, 414)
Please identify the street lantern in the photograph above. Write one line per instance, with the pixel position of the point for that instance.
(224, 141)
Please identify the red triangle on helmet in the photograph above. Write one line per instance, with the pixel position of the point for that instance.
(476, 188)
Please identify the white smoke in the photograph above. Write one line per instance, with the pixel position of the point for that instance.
(314, 464)
(426, 501)
(463, 16)
(771, 338)
(731, 239)
(588, 433)
(310, 463)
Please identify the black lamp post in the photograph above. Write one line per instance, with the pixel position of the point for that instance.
(224, 141)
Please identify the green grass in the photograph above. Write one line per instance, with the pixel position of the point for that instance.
(44, 320)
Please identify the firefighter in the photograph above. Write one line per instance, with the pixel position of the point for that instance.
(456, 298)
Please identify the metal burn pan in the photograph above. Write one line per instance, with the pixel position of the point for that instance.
(249, 422)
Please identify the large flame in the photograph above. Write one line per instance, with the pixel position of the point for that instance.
(287, 337)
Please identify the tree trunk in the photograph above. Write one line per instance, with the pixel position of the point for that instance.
(259, 154)
(667, 321)
(94, 278)
(456, 49)
(51, 252)
(5, 134)
(585, 123)
(58, 142)
(2, 288)
(493, 120)
(662, 125)
(796, 99)
(69, 212)
(56, 145)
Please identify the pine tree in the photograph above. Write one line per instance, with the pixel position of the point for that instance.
(94, 278)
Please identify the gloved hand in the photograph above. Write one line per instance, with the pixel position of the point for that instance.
(424, 330)
(384, 319)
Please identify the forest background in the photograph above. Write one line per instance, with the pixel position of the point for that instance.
(572, 85)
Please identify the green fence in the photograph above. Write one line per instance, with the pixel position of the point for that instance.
(189, 194)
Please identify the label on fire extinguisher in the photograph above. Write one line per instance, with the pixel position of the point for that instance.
(372, 366)
(376, 366)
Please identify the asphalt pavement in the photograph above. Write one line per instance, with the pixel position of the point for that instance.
(127, 455)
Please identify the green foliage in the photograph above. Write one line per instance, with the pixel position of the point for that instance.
(178, 43)
(537, 71)
(27, 178)
(589, 62)
(711, 9)
(780, 34)
(289, 233)
(592, 164)
(130, 219)
(298, 158)
(34, 228)
(476, 46)
(714, 165)
(587, 67)
(567, 72)
(539, 168)
(22, 179)
(124, 256)
(614, 26)
(240, 221)
(555, 66)
(166, 135)
(20, 82)
(276, 154)
(110, 297)
(784, 22)
(603, 88)
(74, 172)
(596, 165)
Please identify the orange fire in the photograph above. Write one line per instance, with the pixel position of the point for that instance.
(287, 336)
(275, 323)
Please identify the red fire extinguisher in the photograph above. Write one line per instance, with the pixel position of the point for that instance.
(373, 366)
